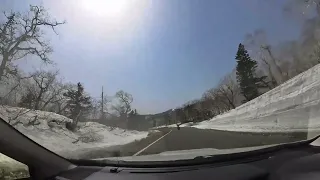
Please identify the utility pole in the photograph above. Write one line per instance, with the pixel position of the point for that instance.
(102, 104)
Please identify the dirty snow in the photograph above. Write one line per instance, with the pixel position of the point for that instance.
(292, 106)
(10, 164)
(49, 130)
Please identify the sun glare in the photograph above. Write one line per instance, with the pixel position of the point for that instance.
(106, 8)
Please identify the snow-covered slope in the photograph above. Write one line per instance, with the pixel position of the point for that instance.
(48, 129)
(294, 105)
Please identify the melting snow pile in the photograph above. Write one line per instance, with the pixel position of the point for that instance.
(48, 129)
(292, 106)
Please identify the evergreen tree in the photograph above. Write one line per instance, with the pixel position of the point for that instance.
(246, 74)
(78, 104)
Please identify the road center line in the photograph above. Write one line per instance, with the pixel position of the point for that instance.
(136, 154)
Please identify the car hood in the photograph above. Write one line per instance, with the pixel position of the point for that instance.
(184, 154)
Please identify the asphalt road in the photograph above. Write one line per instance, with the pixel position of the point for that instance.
(192, 138)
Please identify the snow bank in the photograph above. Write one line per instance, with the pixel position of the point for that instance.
(48, 129)
(292, 106)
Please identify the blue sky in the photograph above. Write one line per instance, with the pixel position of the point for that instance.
(163, 52)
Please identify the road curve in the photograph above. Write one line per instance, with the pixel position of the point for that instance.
(191, 138)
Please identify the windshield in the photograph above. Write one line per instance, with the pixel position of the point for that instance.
(95, 79)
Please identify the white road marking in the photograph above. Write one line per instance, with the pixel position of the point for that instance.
(136, 154)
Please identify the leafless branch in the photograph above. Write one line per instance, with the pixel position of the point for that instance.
(21, 35)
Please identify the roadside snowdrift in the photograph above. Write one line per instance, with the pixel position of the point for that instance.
(292, 106)
(48, 129)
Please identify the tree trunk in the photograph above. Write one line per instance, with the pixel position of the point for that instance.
(3, 65)
(76, 119)
(45, 105)
(61, 109)
(47, 102)
(273, 79)
(275, 64)
(37, 103)
(232, 104)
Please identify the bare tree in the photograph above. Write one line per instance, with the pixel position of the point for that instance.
(260, 48)
(228, 88)
(274, 62)
(178, 116)
(302, 7)
(55, 95)
(124, 103)
(270, 73)
(205, 108)
(43, 91)
(61, 103)
(191, 110)
(97, 105)
(13, 88)
(22, 35)
(43, 82)
(304, 50)
(216, 101)
(315, 55)
(224, 97)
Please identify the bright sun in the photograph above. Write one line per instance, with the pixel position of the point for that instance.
(106, 8)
